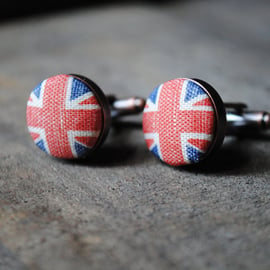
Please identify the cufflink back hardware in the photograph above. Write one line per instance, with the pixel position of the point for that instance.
(185, 121)
(68, 116)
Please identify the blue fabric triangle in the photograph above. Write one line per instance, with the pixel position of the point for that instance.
(193, 90)
(155, 151)
(37, 90)
(153, 95)
(78, 88)
(80, 149)
(193, 154)
(41, 145)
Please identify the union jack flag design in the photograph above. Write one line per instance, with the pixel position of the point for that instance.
(179, 122)
(64, 117)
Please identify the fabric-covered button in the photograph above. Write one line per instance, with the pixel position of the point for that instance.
(179, 122)
(64, 116)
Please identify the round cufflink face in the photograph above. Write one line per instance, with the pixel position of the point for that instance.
(67, 116)
(183, 121)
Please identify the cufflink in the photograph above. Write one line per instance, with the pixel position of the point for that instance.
(185, 121)
(68, 116)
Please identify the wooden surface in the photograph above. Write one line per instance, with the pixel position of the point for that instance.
(122, 208)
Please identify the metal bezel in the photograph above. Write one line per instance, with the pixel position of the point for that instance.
(220, 112)
(105, 107)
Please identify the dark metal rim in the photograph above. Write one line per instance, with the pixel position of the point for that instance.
(220, 116)
(105, 107)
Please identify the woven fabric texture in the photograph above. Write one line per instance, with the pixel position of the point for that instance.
(64, 117)
(179, 122)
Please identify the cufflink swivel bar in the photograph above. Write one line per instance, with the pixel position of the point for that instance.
(240, 120)
(128, 106)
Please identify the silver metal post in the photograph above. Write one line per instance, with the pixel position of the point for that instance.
(241, 121)
(128, 106)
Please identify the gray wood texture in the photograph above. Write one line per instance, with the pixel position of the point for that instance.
(122, 208)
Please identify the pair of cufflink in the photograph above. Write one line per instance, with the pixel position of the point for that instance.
(184, 120)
